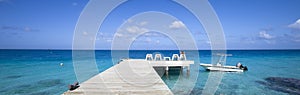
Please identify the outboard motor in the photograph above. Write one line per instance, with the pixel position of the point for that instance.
(239, 65)
(245, 68)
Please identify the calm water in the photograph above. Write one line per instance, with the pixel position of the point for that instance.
(38, 72)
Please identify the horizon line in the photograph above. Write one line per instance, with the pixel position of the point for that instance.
(149, 50)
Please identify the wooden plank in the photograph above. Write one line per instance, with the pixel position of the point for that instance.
(129, 77)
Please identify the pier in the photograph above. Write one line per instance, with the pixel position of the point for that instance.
(130, 76)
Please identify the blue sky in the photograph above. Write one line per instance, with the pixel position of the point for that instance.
(247, 24)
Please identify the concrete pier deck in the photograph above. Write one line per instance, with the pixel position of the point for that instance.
(129, 77)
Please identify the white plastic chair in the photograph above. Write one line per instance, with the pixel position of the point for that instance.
(167, 58)
(157, 57)
(149, 57)
(175, 57)
(182, 57)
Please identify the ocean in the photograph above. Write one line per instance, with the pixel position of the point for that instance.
(38, 72)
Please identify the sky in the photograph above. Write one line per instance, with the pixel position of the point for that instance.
(247, 24)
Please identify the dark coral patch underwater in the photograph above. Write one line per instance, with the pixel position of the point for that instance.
(13, 77)
(34, 88)
(286, 85)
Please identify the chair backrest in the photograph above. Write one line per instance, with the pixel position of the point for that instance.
(167, 58)
(149, 57)
(157, 57)
(175, 57)
(182, 57)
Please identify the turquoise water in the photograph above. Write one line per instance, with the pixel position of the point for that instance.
(38, 72)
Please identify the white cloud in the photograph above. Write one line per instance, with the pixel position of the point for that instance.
(295, 25)
(207, 42)
(129, 20)
(148, 40)
(84, 33)
(154, 34)
(293, 36)
(265, 35)
(143, 23)
(132, 39)
(25, 29)
(157, 41)
(135, 29)
(249, 40)
(119, 35)
(108, 40)
(177, 25)
(296, 40)
(100, 35)
(268, 38)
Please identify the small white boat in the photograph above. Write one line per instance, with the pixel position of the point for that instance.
(211, 67)
(220, 67)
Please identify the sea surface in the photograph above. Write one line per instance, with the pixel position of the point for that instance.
(38, 72)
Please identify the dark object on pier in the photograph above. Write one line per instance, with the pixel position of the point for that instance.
(74, 86)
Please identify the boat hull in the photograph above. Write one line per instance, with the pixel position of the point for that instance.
(210, 67)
